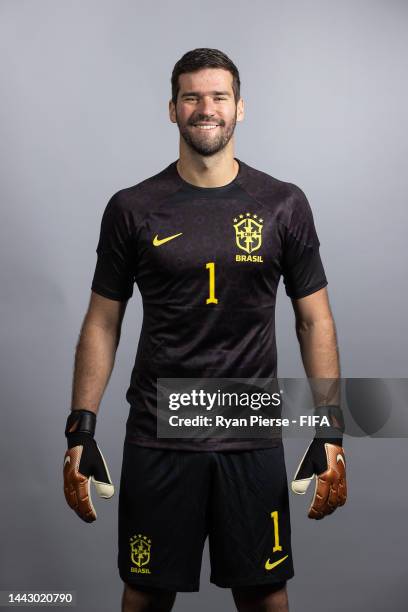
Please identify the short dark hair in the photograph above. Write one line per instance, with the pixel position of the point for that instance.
(197, 59)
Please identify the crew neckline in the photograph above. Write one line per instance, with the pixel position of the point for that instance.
(219, 189)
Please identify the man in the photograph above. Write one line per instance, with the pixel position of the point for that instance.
(206, 240)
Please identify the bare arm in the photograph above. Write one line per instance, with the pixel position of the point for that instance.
(95, 351)
(316, 333)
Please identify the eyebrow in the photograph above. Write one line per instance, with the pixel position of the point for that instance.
(197, 93)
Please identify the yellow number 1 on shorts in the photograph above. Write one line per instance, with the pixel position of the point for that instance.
(277, 546)
(271, 564)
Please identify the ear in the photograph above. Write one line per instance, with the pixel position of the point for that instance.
(240, 110)
(172, 111)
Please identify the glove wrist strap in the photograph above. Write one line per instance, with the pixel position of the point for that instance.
(335, 429)
(80, 422)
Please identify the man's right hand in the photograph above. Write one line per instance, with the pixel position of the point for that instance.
(83, 462)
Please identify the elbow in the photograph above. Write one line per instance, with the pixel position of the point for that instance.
(304, 327)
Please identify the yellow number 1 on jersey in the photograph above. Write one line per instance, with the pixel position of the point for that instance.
(211, 299)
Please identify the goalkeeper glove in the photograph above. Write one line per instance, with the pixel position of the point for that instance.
(83, 462)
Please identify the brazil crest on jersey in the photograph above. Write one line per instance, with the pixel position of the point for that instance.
(207, 262)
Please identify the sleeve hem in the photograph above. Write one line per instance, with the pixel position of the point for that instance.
(300, 294)
(110, 294)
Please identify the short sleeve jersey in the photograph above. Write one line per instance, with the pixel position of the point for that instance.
(207, 262)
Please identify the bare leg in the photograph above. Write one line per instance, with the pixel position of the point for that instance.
(142, 599)
(265, 598)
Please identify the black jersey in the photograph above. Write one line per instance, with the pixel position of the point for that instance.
(207, 262)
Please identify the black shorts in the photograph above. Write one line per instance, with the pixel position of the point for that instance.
(170, 500)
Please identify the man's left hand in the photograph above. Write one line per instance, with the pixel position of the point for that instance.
(324, 461)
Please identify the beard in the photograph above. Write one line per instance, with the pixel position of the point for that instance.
(203, 142)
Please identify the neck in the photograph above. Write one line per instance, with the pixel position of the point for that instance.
(213, 171)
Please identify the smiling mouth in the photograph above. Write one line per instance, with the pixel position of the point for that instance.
(205, 126)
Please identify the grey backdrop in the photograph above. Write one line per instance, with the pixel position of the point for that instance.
(85, 87)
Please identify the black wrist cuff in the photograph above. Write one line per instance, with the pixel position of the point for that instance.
(335, 428)
(80, 421)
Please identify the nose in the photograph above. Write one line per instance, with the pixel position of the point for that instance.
(206, 106)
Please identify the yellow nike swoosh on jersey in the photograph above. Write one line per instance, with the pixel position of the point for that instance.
(269, 566)
(158, 242)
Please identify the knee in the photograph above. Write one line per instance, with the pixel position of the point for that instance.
(265, 598)
(143, 599)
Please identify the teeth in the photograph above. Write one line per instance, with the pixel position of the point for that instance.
(206, 127)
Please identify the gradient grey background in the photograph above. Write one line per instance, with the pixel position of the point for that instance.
(85, 89)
